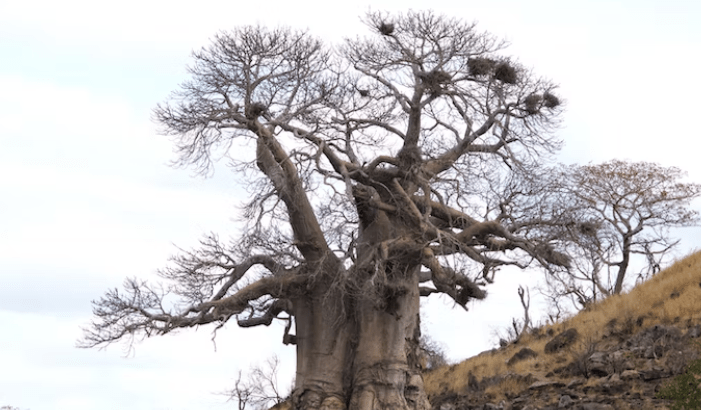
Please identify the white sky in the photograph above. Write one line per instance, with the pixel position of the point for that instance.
(86, 198)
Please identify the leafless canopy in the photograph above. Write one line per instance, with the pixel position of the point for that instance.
(372, 154)
(611, 212)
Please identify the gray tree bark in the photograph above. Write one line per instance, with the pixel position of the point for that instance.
(359, 350)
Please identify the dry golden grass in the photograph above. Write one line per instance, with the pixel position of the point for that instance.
(507, 387)
(671, 296)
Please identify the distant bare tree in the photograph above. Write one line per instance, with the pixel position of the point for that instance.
(259, 388)
(433, 352)
(368, 170)
(616, 210)
(519, 327)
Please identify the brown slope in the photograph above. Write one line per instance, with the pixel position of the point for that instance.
(627, 347)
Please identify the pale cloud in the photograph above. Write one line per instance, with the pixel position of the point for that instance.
(169, 23)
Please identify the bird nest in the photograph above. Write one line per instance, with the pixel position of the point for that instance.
(435, 79)
(532, 103)
(256, 109)
(550, 100)
(505, 73)
(386, 29)
(480, 66)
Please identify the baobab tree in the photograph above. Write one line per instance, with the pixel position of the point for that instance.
(365, 164)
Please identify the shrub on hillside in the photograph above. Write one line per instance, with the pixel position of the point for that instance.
(685, 389)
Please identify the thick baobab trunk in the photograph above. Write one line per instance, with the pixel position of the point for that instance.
(358, 348)
(365, 360)
(386, 370)
(323, 349)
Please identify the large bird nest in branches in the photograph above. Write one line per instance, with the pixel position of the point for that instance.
(532, 103)
(435, 80)
(256, 109)
(589, 229)
(550, 255)
(506, 73)
(386, 29)
(550, 101)
(480, 66)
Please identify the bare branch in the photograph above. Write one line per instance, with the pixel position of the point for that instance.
(207, 280)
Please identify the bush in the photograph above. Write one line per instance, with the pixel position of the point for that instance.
(684, 389)
(434, 353)
(260, 389)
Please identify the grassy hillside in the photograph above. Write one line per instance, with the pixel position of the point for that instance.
(672, 297)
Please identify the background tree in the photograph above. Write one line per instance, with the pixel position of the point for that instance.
(616, 210)
(259, 389)
(363, 165)
(434, 354)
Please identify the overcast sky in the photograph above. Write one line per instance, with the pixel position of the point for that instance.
(87, 198)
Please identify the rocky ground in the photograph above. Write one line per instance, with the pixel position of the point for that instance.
(624, 370)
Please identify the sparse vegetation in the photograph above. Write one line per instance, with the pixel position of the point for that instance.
(685, 389)
(434, 353)
(507, 387)
(259, 389)
(602, 324)
(580, 358)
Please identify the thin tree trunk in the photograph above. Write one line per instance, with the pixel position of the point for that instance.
(623, 265)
